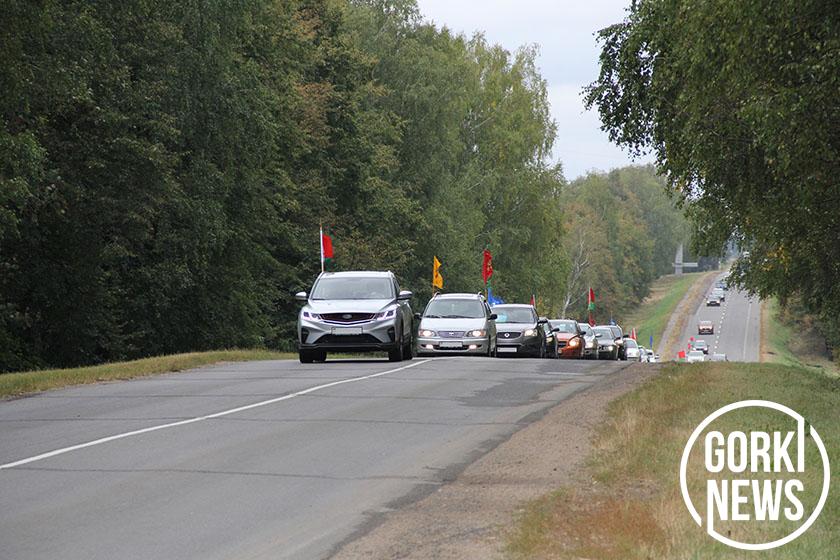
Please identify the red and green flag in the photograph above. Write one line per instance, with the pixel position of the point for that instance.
(590, 305)
(326, 249)
(487, 266)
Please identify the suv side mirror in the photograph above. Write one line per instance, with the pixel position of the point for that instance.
(493, 316)
(300, 296)
(542, 321)
(404, 295)
(597, 335)
(417, 316)
(555, 329)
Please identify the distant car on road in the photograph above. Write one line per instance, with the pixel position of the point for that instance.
(456, 324)
(701, 345)
(696, 356)
(720, 294)
(569, 338)
(712, 300)
(618, 336)
(607, 344)
(354, 312)
(719, 358)
(652, 356)
(705, 327)
(519, 331)
(632, 351)
(590, 347)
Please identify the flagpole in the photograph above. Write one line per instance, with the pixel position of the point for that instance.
(321, 239)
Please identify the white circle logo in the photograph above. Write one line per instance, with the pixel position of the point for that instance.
(776, 498)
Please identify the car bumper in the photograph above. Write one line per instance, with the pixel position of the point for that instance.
(364, 337)
(604, 353)
(511, 347)
(706, 331)
(449, 346)
(570, 352)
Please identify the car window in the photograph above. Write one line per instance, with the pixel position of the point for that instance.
(586, 328)
(337, 287)
(604, 332)
(450, 308)
(630, 343)
(515, 315)
(568, 327)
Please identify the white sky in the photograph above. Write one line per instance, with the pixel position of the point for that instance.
(564, 30)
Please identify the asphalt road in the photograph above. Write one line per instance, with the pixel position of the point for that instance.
(254, 460)
(737, 327)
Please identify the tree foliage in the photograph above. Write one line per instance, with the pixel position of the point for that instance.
(739, 102)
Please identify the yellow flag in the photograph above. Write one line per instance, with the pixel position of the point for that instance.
(437, 279)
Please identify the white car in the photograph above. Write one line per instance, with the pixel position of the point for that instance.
(633, 351)
(696, 356)
(652, 357)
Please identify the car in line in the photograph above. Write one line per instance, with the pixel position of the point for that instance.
(569, 338)
(701, 345)
(590, 345)
(713, 301)
(607, 343)
(632, 351)
(520, 331)
(456, 324)
(695, 356)
(720, 294)
(705, 327)
(652, 356)
(618, 336)
(360, 311)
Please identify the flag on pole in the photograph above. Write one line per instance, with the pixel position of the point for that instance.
(437, 279)
(491, 299)
(533, 300)
(590, 305)
(487, 266)
(633, 333)
(681, 354)
(326, 248)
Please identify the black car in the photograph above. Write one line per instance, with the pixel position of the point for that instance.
(618, 335)
(607, 343)
(520, 331)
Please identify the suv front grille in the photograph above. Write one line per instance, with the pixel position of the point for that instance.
(508, 334)
(451, 334)
(347, 317)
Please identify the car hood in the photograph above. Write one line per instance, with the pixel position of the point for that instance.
(434, 324)
(348, 305)
(515, 327)
(564, 336)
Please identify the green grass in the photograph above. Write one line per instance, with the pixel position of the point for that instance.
(651, 317)
(634, 509)
(21, 383)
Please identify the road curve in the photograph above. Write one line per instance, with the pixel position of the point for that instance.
(254, 460)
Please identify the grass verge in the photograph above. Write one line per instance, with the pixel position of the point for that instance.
(630, 505)
(783, 343)
(21, 383)
(651, 317)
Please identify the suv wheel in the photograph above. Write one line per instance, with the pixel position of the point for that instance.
(396, 353)
(306, 356)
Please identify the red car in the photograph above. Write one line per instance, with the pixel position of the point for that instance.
(569, 338)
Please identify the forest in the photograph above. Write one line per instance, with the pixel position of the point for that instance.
(165, 168)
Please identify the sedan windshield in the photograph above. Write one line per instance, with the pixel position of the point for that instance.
(515, 315)
(604, 332)
(568, 327)
(353, 288)
(586, 329)
(445, 308)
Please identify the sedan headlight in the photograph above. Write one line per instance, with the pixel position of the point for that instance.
(477, 333)
(590, 344)
(530, 332)
(610, 347)
(425, 333)
(574, 342)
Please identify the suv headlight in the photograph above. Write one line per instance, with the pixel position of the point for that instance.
(574, 342)
(386, 314)
(426, 333)
(530, 332)
(310, 315)
(477, 333)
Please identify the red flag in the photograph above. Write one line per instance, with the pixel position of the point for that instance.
(487, 266)
(633, 333)
(590, 305)
(681, 355)
(326, 248)
(533, 300)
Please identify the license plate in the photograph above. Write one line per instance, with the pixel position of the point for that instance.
(511, 349)
(451, 345)
(347, 330)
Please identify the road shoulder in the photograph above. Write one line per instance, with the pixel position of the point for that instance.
(469, 517)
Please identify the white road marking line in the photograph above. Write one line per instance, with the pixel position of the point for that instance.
(746, 332)
(201, 418)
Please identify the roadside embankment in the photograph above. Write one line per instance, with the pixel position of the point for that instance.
(24, 382)
(627, 503)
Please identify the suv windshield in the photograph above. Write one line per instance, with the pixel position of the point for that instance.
(337, 287)
(446, 308)
(515, 315)
(604, 332)
(568, 327)
(586, 329)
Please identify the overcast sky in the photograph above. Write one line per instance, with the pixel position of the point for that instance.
(564, 30)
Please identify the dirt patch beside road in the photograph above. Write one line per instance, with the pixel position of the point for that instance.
(469, 517)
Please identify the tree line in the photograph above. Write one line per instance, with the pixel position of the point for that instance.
(165, 167)
(738, 100)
